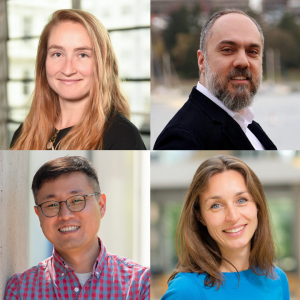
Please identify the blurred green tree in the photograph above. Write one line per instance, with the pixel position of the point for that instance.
(182, 38)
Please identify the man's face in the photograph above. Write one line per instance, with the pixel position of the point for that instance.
(87, 221)
(232, 67)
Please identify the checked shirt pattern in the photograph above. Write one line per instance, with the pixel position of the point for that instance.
(113, 277)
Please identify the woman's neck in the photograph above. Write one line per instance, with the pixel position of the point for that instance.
(70, 113)
(238, 257)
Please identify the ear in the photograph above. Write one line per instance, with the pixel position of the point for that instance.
(201, 61)
(102, 204)
(36, 210)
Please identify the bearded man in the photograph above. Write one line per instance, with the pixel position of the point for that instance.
(217, 115)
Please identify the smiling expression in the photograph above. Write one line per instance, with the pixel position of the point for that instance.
(229, 211)
(69, 62)
(233, 56)
(84, 225)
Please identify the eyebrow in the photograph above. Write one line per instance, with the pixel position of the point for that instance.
(50, 196)
(252, 45)
(75, 49)
(219, 197)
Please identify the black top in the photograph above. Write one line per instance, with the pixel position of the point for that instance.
(202, 125)
(120, 134)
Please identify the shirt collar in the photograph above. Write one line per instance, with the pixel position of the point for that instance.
(244, 118)
(61, 268)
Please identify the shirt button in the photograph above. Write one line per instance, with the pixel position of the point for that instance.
(76, 290)
(62, 274)
(97, 273)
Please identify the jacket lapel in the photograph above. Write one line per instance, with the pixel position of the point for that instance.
(261, 136)
(231, 129)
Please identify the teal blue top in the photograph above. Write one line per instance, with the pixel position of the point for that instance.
(187, 286)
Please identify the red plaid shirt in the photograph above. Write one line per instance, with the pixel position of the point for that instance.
(113, 277)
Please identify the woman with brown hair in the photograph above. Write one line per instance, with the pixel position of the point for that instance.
(77, 102)
(225, 250)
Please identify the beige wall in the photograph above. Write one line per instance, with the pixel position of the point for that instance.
(13, 211)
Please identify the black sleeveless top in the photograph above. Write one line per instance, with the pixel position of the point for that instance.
(120, 134)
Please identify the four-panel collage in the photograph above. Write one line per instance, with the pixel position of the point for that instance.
(149, 149)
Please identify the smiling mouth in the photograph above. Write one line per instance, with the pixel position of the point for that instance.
(69, 82)
(235, 230)
(239, 78)
(69, 229)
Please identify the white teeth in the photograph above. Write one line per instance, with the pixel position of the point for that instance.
(239, 77)
(70, 228)
(235, 230)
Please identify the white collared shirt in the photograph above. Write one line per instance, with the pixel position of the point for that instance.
(244, 118)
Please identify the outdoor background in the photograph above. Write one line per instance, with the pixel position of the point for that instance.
(21, 23)
(175, 36)
(124, 178)
(171, 176)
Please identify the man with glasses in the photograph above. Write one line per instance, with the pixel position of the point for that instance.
(70, 207)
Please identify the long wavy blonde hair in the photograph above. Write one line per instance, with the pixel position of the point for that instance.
(105, 95)
(197, 251)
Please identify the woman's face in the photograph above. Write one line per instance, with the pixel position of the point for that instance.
(69, 63)
(229, 211)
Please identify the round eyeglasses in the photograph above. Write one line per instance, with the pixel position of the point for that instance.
(75, 203)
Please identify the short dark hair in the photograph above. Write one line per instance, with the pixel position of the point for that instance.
(52, 169)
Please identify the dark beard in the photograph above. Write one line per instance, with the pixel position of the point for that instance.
(235, 100)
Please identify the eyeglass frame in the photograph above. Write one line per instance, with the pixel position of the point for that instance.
(59, 202)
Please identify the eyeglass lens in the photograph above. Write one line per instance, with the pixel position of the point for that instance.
(75, 203)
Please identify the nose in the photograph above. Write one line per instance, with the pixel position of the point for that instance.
(65, 213)
(241, 60)
(232, 214)
(68, 67)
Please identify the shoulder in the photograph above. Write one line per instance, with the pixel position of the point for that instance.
(192, 126)
(16, 135)
(24, 280)
(131, 273)
(284, 281)
(127, 266)
(121, 134)
(186, 286)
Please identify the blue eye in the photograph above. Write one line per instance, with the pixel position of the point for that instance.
(85, 55)
(242, 200)
(56, 54)
(215, 206)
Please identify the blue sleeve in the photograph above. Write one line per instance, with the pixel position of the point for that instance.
(182, 288)
(285, 284)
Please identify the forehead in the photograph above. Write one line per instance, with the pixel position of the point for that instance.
(234, 27)
(64, 185)
(226, 182)
(69, 33)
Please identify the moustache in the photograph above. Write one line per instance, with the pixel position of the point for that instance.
(240, 72)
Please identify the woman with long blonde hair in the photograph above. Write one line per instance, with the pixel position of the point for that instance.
(224, 241)
(77, 102)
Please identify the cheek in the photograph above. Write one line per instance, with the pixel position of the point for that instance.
(212, 222)
(88, 71)
(50, 70)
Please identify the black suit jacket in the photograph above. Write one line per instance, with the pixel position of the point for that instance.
(202, 125)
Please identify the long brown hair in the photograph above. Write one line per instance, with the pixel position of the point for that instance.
(197, 251)
(105, 96)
